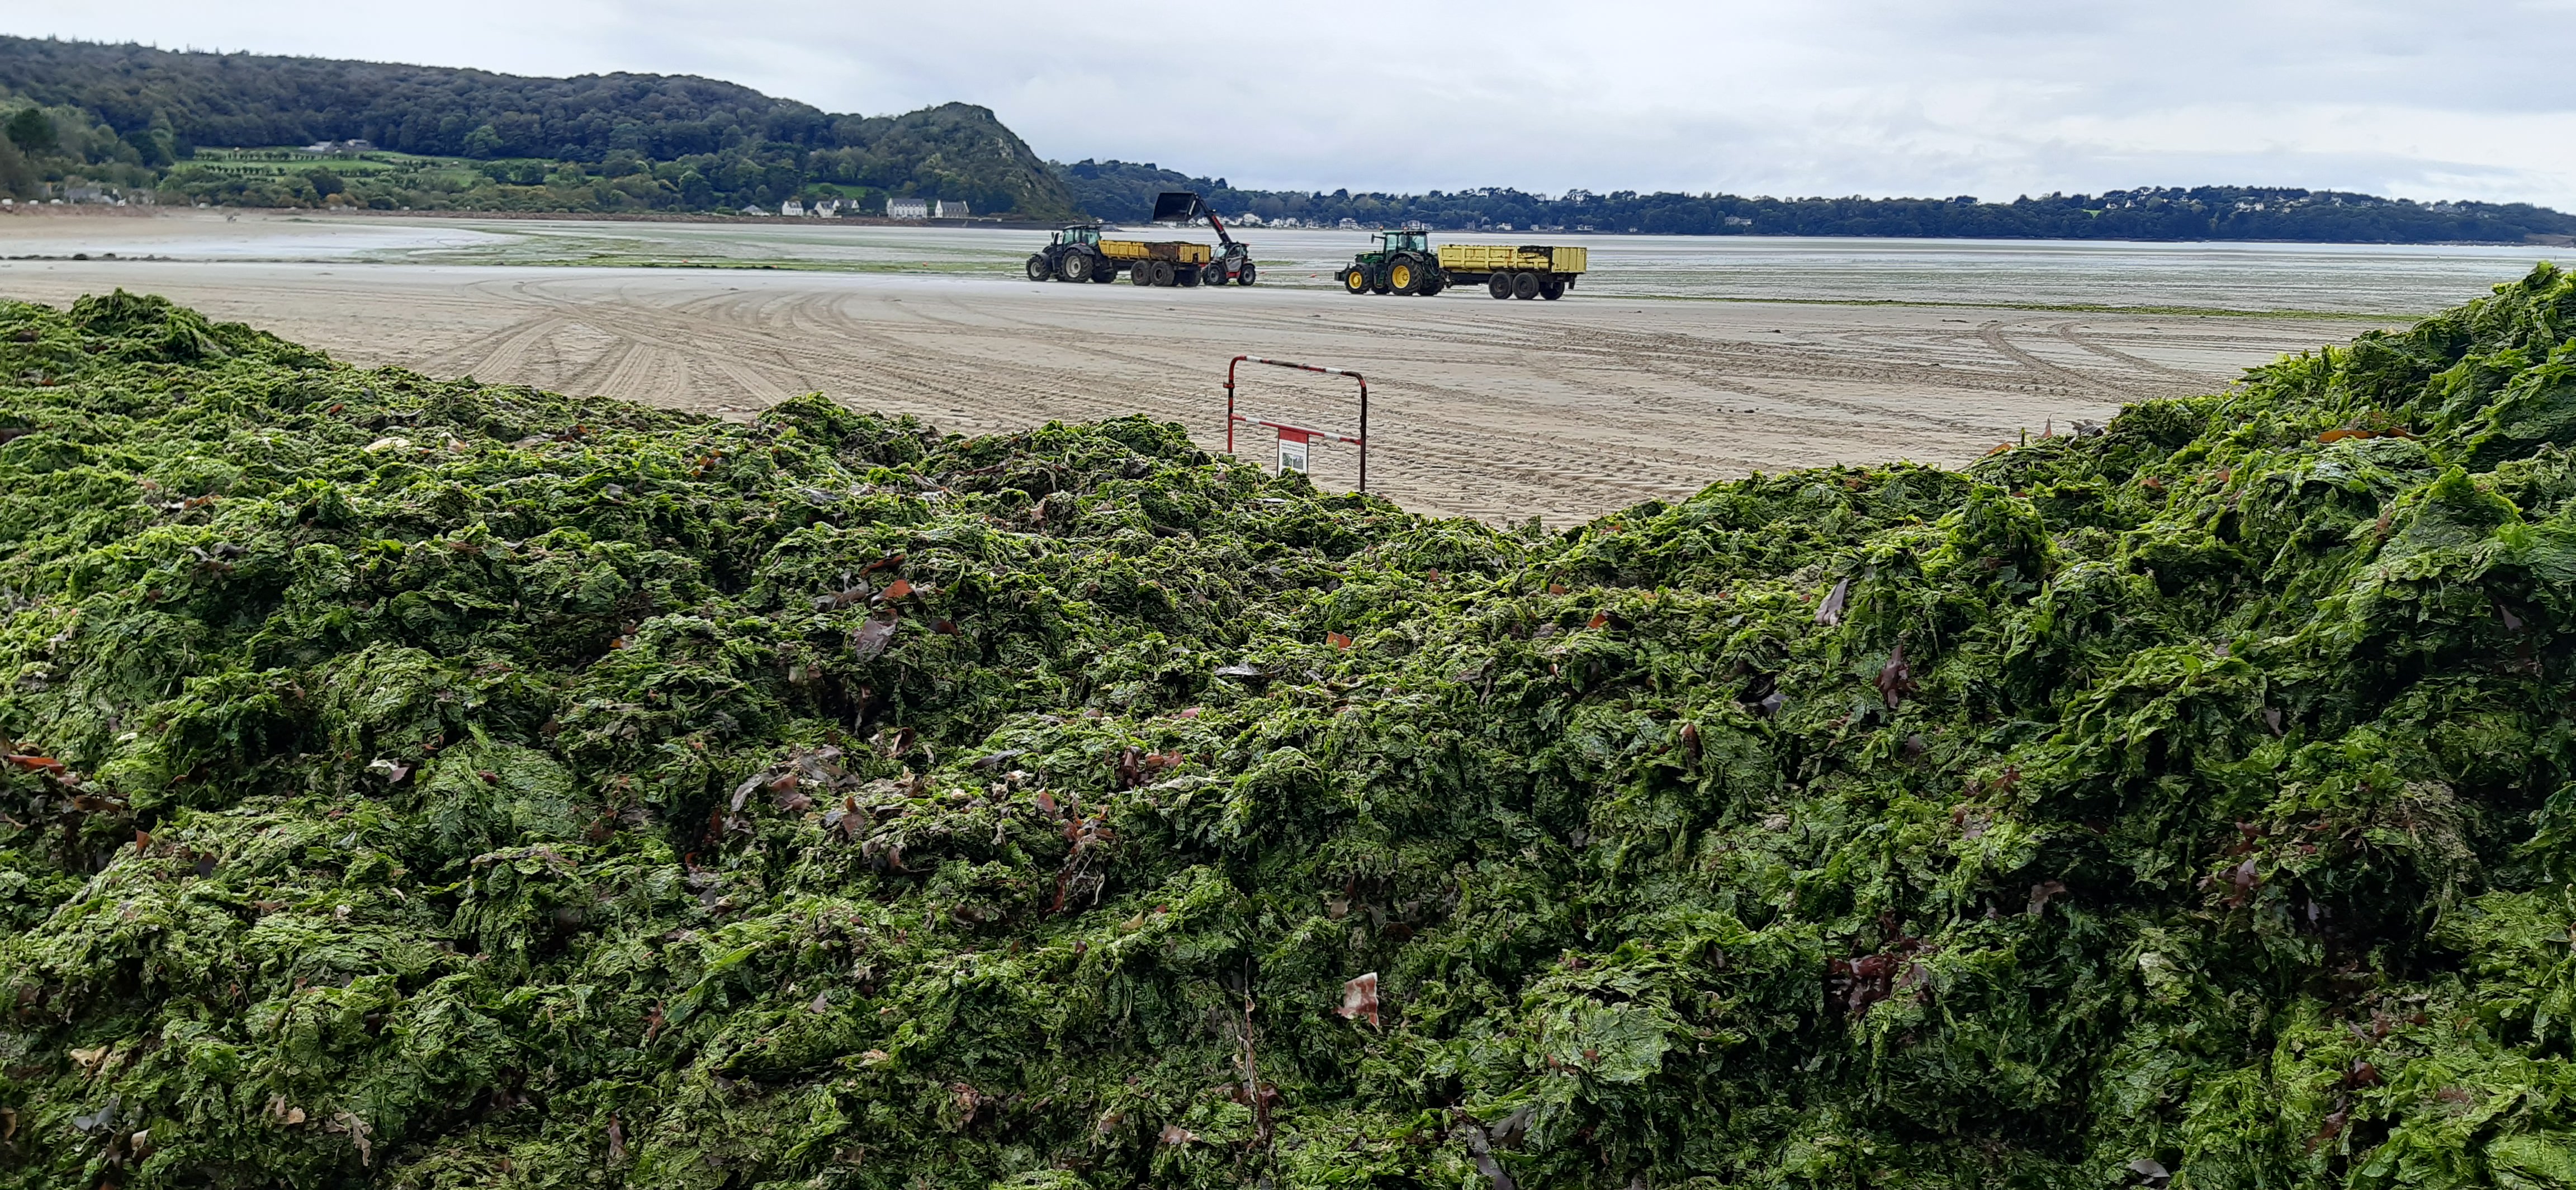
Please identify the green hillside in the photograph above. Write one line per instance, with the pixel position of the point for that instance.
(420, 783)
(140, 117)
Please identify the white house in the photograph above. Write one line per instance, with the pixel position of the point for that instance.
(907, 208)
(829, 208)
(951, 210)
(791, 207)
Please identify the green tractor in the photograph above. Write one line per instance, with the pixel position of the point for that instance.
(1403, 262)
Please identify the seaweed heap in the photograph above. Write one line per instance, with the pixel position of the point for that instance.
(420, 783)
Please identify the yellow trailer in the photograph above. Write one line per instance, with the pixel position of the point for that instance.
(1160, 262)
(1176, 251)
(1524, 271)
(1497, 258)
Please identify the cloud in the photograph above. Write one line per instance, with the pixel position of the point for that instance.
(1984, 97)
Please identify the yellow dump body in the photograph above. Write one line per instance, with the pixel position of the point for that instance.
(1499, 258)
(1176, 251)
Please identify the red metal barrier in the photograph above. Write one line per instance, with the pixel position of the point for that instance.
(1298, 433)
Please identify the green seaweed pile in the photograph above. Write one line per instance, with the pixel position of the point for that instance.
(419, 783)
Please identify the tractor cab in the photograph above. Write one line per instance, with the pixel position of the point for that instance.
(1406, 241)
(1079, 235)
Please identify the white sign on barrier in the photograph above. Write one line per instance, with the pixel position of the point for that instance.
(1296, 441)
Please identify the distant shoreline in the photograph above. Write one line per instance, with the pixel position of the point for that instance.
(709, 217)
(88, 210)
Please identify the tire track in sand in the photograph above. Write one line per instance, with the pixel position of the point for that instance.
(496, 354)
(2067, 332)
(1993, 334)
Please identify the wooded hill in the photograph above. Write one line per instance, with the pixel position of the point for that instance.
(692, 143)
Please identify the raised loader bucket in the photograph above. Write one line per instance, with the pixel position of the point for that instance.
(1178, 206)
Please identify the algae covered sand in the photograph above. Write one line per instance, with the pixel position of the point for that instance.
(421, 783)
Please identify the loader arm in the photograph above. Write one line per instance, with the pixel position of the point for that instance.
(1185, 206)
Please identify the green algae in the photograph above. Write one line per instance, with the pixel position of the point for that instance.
(424, 783)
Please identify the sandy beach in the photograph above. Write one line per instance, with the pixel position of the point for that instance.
(1564, 410)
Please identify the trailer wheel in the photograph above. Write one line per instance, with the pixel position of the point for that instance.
(1551, 290)
(1040, 268)
(1074, 266)
(1244, 277)
(1499, 285)
(1524, 286)
(1164, 274)
(1141, 273)
(1189, 276)
(1355, 279)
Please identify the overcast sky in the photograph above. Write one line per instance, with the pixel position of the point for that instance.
(2418, 98)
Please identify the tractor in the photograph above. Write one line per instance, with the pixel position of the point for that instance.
(1402, 263)
(1073, 254)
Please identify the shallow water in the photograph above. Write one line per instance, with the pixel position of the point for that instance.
(2342, 278)
(2328, 278)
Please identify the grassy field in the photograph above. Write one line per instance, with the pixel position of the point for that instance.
(292, 176)
(281, 162)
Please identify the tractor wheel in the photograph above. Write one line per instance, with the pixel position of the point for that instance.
(1106, 274)
(1499, 285)
(1355, 279)
(1551, 290)
(1040, 268)
(1403, 275)
(1075, 266)
(1431, 284)
(1244, 277)
(1524, 286)
(1165, 275)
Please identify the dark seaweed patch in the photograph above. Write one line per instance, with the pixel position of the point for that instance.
(428, 783)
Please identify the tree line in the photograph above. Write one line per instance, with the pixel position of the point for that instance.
(1125, 191)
